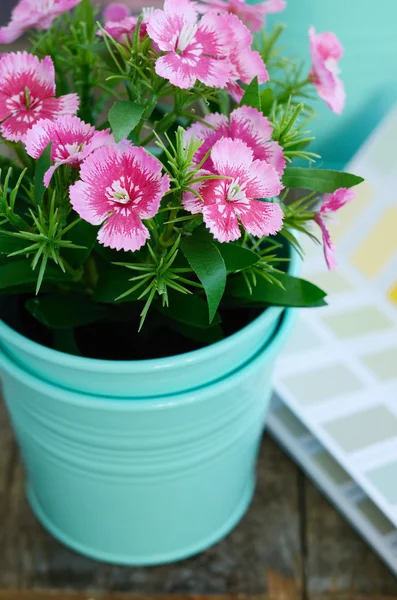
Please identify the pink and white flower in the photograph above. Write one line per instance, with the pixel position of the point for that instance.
(122, 29)
(247, 124)
(331, 203)
(245, 62)
(227, 202)
(326, 50)
(27, 94)
(252, 15)
(72, 141)
(118, 188)
(194, 50)
(38, 14)
(116, 11)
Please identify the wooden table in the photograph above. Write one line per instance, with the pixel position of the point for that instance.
(292, 544)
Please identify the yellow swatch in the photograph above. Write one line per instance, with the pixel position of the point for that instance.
(379, 246)
(393, 294)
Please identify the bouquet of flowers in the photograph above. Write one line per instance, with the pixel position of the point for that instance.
(147, 183)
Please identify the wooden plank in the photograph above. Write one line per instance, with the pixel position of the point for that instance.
(63, 595)
(338, 560)
(261, 555)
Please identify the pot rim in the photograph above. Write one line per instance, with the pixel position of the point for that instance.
(82, 363)
(84, 400)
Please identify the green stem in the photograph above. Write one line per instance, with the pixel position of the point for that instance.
(165, 238)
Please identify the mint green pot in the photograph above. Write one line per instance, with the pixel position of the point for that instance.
(368, 33)
(147, 480)
(135, 379)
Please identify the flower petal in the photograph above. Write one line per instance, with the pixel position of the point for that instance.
(199, 131)
(122, 232)
(116, 11)
(177, 70)
(262, 181)
(98, 172)
(232, 158)
(222, 221)
(328, 246)
(251, 126)
(181, 7)
(335, 201)
(52, 108)
(260, 218)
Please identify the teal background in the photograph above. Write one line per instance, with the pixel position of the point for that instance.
(146, 480)
(368, 32)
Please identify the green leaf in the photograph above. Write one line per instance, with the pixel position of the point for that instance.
(5, 164)
(84, 13)
(100, 50)
(15, 273)
(318, 180)
(188, 309)
(42, 166)
(112, 282)
(251, 96)
(297, 293)
(81, 234)
(64, 311)
(10, 243)
(266, 99)
(124, 116)
(237, 258)
(209, 266)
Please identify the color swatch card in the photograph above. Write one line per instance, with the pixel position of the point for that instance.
(334, 481)
(338, 375)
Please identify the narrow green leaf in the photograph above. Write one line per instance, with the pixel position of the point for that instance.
(42, 166)
(15, 273)
(237, 258)
(188, 309)
(84, 13)
(124, 116)
(317, 180)
(267, 99)
(5, 164)
(209, 266)
(64, 311)
(251, 96)
(10, 243)
(296, 293)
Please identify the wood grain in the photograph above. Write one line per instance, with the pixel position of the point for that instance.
(338, 560)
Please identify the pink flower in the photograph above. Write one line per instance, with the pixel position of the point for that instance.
(72, 141)
(246, 124)
(27, 94)
(118, 188)
(253, 16)
(194, 50)
(123, 29)
(326, 50)
(116, 11)
(226, 202)
(33, 13)
(331, 203)
(245, 62)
